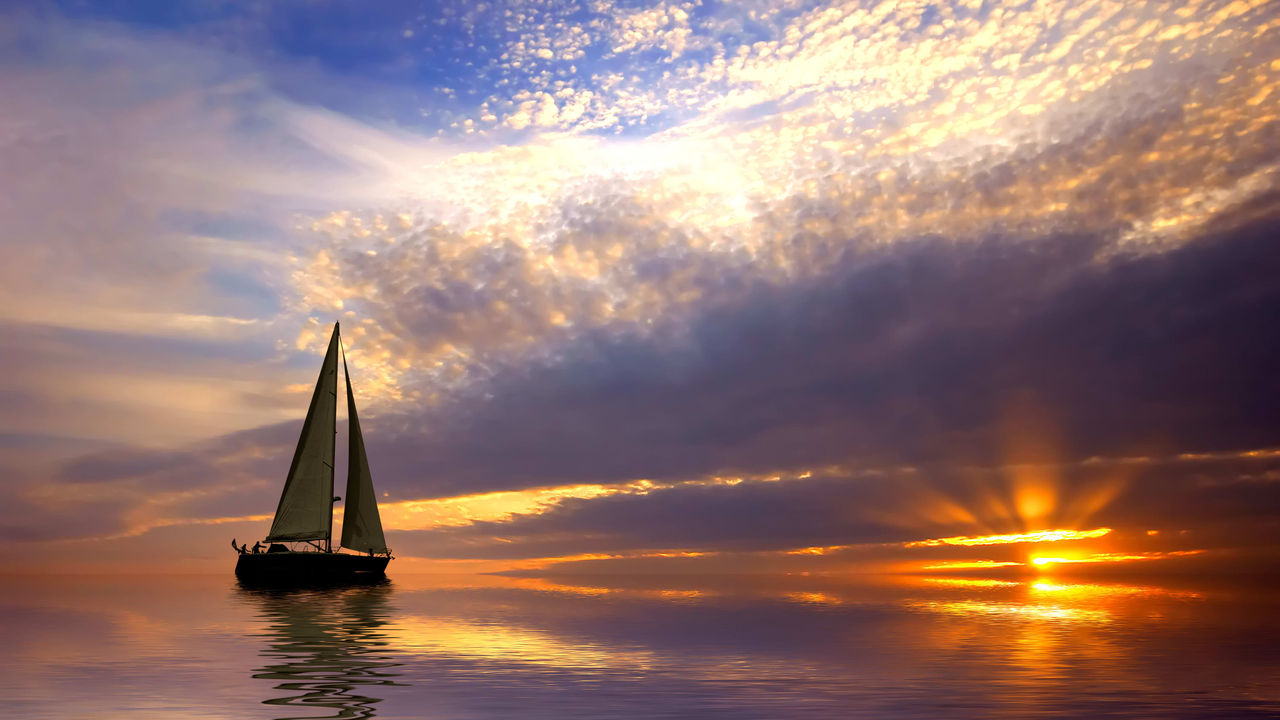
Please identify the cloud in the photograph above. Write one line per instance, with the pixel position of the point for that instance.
(562, 236)
(910, 355)
(115, 164)
(920, 362)
(149, 209)
(887, 237)
(1155, 505)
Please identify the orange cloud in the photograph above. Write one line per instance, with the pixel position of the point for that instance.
(1031, 537)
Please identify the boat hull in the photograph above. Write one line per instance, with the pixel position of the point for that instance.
(307, 568)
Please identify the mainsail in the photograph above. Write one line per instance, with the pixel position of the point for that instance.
(361, 526)
(305, 511)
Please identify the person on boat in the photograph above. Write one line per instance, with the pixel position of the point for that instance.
(257, 547)
(239, 549)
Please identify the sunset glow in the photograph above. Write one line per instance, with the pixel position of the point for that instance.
(1095, 590)
(673, 286)
(971, 565)
(1032, 537)
(1112, 557)
(1035, 612)
(818, 550)
(639, 359)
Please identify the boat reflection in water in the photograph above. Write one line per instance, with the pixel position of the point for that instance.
(325, 647)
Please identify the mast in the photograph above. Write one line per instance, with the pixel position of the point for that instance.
(305, 511)
(333, 439)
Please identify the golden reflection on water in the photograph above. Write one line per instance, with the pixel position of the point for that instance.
(1059, 601)
(472, 647)
(1063, 602)
(508, 644)
(1039, 631)
(955, 582)
(815, 598)
(1033, 611)
(333, 650)
(1095, 591)
(586, 586)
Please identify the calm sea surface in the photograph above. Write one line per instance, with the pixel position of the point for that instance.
(589, 647)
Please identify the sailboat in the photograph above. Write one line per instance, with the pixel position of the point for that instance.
(300, 543)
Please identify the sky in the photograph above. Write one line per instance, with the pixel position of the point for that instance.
(648, 287)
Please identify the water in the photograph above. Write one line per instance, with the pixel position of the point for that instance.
(492, 647)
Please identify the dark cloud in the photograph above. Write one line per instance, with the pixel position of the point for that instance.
(918, 354)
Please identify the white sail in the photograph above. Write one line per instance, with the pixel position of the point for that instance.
(361, 525)
(305, 511)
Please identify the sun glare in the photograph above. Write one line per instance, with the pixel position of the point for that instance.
(1036, 537)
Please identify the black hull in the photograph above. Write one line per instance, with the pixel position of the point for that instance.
(310, 568)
